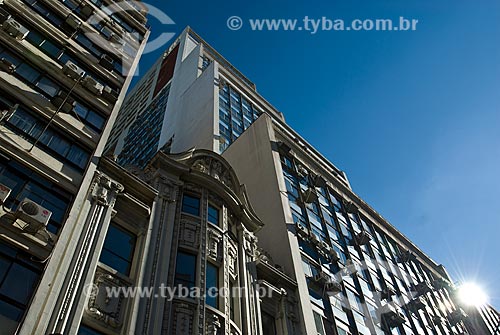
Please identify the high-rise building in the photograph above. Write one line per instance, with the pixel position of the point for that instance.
(351, 271)
(64, 72)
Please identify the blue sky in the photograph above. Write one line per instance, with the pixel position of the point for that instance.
(412, 117)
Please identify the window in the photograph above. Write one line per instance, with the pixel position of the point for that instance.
(48, 47)
(26, 184)
(212, 286)
(19, 277)
(31, 76)
(318, 320)
(31, 127)
(118, 249)
(213, 215)
(234, 311)
(89, 45)
(191, 205)
(185, 270)
(84, 330)
(236, 114)
(268, 324)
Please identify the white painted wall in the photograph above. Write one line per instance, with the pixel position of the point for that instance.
(192, 104)
(259, 168)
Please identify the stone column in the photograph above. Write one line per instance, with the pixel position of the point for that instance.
(102, 199)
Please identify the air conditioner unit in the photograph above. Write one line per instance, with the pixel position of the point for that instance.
(333, 255)
(391, 315)
(438, 319)
(416, 304)
(63, 103)
(440, 283)
(86, 11)
(406, 256)
(4, 193)
(301, 231)
(72, 70)
(116, 39)
(350, 207)
(332, 288)
(33, 214)
(310, 195)
(15, 29)
(321, 278)
(283, 147)
(71, 24)
(302, 171)
(107, 62)
(314, 239)
(323, 245)
(362, 238)
(318, 181)
(349, 269)
(7, 66)
(387, 292)
(92, 85)
(422, 288)
(4, 15)
(110, 94)
(457, 316)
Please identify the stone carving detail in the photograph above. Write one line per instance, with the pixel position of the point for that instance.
(183, 319)
(214, 245)
(102, 307)
(212, 324)
(105, 189)
(250, 244)
(264, 256)
(193, 188)
(232, 259)
(214, 168)
(189, 234)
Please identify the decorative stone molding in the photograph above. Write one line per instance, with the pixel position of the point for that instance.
(214, 239)
(105, 189)
(250, 244)
(193, 188)
(189, 234)
(183, 319)
(264, 256)
(213, 324)
(232, 259)
(213, 167)
(102, 307)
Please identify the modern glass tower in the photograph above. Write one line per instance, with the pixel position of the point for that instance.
(352, 272)
(64, 69)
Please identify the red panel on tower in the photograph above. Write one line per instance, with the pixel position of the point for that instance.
(166, 70)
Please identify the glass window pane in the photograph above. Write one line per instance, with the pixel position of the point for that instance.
(25, 122)
(213, 215)
(95, 120)
(50, 48)
(11, 312)
(185, 270)
(212, 285)
(118, 249)
(48, 86)
(58, 144)
(191, 205)
(11, 58)
(84, 330)
(28, 73)
(78, 156)
(19, 284)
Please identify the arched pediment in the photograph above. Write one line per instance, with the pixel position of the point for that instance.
(214, 165)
